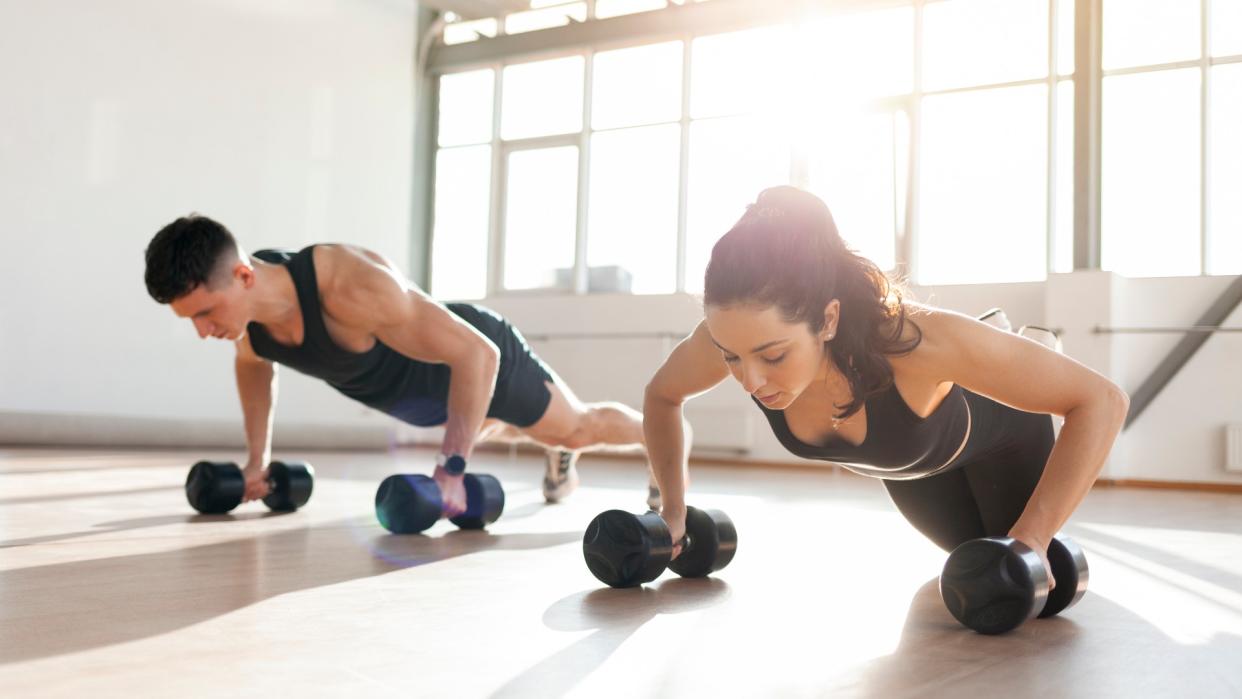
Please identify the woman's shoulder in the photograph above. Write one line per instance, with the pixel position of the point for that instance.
(936, 331)
(933, 320)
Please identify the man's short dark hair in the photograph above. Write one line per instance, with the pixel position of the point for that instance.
(184, 254)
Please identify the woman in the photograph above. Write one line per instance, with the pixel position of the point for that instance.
(953, 414)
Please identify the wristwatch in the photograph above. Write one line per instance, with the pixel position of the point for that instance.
(453, 464)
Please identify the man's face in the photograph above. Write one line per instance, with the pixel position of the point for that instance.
(219, 312)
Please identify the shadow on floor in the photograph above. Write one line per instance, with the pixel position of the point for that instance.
(89, 604)
(121, 525)
(1096, 648)
(27, 500)
(1126, 551)
(614, 615)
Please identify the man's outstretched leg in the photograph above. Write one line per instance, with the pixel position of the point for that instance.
(569, 426)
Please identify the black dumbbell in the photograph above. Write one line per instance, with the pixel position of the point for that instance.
(624, 550)
(408, 504)
(215, 487)
(994, 585)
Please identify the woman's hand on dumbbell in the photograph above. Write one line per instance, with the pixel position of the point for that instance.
(625, 550)
(257, 485)
(1040, 547)
(452, 491)
(675, 517)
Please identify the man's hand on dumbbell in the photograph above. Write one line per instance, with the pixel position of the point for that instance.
(216, 487)
(411, 503)
(1040, 547)
(452, 491)
(257, 485)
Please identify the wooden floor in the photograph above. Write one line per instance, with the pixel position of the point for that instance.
(109, 585)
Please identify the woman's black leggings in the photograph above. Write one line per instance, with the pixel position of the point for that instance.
(986, 494)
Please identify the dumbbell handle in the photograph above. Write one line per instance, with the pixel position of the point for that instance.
(685, 542)
(270, 480)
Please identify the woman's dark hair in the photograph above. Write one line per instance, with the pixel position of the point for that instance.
(183, 256)
(785, 252)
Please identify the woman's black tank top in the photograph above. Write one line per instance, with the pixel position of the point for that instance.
(899, 444)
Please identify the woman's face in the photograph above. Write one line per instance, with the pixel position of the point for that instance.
(774, 360)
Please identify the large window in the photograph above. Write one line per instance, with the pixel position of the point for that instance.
(630, 191)
(1172, 100)
(940, 134)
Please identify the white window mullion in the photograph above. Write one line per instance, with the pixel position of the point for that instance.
(495, 228)
(581, 273)
(1205, 138)
(908, 243)
(683, 186)
(1050, 223)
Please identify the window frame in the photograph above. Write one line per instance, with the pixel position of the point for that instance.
(685, 23)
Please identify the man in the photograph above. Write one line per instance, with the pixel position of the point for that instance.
(346, 315)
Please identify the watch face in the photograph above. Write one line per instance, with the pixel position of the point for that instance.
(455, 465)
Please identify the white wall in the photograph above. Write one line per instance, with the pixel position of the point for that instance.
(1181, 435)
(290, 121)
